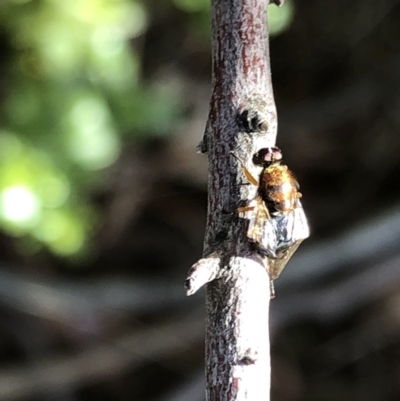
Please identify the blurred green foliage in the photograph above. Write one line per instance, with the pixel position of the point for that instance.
(72, 66)
(74, 91)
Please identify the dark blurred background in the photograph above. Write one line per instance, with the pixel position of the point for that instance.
(103, 199)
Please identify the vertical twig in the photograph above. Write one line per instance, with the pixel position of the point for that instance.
(242, 119)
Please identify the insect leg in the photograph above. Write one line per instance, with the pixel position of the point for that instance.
(246, 172)
(272, 288)
(245, 209)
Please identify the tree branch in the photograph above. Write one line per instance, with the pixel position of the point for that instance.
(242, 120)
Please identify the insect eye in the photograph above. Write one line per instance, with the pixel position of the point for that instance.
(267, 155)
(276, 154)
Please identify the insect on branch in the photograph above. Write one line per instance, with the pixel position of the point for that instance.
(265, 222)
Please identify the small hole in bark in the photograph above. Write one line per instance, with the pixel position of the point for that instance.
(246, 360)
(250, 120)
(221, 236)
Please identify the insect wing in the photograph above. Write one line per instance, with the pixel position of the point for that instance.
(291, 229)
(275, 266)
(262, 231)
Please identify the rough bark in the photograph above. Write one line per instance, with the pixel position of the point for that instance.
(242, 120)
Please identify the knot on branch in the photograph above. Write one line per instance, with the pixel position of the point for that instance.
(202, 146)
(251, 120)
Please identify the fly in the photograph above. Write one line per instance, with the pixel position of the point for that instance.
(278, 223)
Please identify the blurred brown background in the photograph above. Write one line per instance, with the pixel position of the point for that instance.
(103, 199)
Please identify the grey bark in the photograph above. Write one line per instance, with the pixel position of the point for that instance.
(242, 120)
